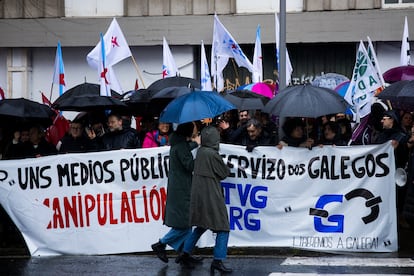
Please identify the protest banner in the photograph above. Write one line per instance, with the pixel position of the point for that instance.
(326, 199)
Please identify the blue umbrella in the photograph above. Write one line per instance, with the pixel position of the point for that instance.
(195, 106)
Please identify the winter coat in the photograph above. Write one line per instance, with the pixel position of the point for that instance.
(401, 156)
(293, 142)
(337, 141)
(154, 139)
(44, 148)
(177, 207)
(263, 139)
(121, 139)
(69, 144)
(208, 209)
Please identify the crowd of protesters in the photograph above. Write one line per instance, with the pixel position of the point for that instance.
(248, 128)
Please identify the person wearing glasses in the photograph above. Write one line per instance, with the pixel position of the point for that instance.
(392, 131)
(75, 141)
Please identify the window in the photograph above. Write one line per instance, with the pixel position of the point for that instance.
(397, 3)
(79, 8)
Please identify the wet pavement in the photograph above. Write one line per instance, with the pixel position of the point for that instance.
(244, 261)
(148, 265)
(15, 260)
(131, 264)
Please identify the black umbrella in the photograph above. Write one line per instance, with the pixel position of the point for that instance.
(173, 92)
(138, 96)
(89, 92)
(138, 102)
(90, 103)
(400, 94)
(306, 101)
(162, 98)
(20, 110)
(174, 81)
(246, 99)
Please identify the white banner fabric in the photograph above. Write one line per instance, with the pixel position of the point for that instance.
(324, 199)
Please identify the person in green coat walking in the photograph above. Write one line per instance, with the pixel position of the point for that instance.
(207, 208)
(177, 206)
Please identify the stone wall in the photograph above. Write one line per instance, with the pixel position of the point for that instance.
(335, 5)
(31, 8)
(178, 7)
(55, 8)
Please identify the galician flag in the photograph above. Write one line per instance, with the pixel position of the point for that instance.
(169, 67)
(363, 84)
(104, 81)
(116, 47)
(225, 47)
(205, 71)
(405, 46)
(257, 75)
(59, 72)
(289, 68)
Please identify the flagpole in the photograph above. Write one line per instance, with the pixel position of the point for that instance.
(138, 71)
(51, 91)
(215, 70)
(282, 46)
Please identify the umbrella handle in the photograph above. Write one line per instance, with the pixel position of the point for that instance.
(307, 128)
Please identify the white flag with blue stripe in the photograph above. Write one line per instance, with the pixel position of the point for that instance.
(205, 71)
(257, 75)
(225, 47)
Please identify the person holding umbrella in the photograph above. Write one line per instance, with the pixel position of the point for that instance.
(177, 207)
(207, 208)
(331, 134)
(295, 134)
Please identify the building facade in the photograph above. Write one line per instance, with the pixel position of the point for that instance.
(321, 36)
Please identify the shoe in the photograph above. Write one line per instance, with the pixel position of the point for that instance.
(218, 265)
(159, 249)
(185, 260)
(188, 257)
(196, 259)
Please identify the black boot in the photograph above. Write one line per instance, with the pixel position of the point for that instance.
(189, 258)
(159, 249)
(218, 265)
(184, 259)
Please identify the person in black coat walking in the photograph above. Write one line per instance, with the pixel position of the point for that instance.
(177, 207)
